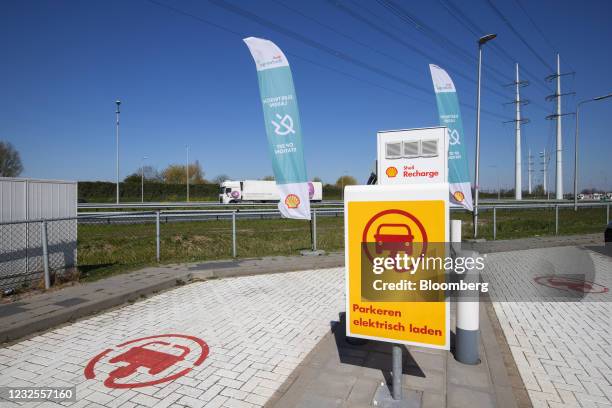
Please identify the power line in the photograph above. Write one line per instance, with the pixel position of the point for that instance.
(465, 22)
(420, 26)
(348, 37)
(356, 77)
(359, 17)
(472, 27)
(242, 35)
(537, 28)
(314, 44)
(552, 47)
(518, 35)
(430, 32)
(476, 30)
(361, 43)
(385, 32)
(445, 42)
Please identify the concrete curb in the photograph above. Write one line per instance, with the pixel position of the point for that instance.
(548, 241)
(170, 275)
(504, 373)
(504, 393)
(70, 314)
(114, 291)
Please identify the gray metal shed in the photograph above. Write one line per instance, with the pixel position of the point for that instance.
(23, 202)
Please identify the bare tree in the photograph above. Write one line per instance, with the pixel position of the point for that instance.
(10, 162)
(176, 174)
(150, 174)
(221, 178)
(346, 181)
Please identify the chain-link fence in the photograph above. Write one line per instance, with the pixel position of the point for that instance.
(27, 249)
(115, 242)
(532, 220)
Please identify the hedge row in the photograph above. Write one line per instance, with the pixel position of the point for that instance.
(101, 191)
(104, 192)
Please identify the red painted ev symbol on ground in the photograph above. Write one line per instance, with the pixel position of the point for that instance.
(148, 360)
(573, 284)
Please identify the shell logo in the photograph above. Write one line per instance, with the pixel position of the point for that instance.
(391, 171)
(292, 201)
(458, 196)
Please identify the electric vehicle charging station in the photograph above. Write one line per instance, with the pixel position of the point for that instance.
(405, 215)
(412, 156)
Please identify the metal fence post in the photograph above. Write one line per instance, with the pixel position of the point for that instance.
(494, 223)
(608, 214)
(45, 253)
(556, 220)
(314, 229)
(157, 243)
(234, 251)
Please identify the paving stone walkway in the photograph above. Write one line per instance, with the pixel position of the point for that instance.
(562, 349)
(258, 329)
(345, 374)
(40, 311)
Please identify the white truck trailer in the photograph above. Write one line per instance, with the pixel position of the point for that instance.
(260, 191)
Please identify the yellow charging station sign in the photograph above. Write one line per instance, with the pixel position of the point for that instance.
(387, 245)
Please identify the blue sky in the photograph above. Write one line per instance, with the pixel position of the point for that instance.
(183, 81)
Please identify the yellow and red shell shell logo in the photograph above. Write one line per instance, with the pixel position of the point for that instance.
(292, 201)
(391, 171)
(458, 196)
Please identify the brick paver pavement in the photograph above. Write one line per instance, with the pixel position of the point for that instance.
(563, 350)
(258, 328)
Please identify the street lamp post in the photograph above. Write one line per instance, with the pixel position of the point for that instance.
(481, 41)
(344, 174)
(187, 171)
(142, 178)
(599, 98)
(118, 102)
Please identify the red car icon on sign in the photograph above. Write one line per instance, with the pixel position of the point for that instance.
(396, 242)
